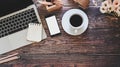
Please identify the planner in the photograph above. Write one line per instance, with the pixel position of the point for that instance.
(34, 32)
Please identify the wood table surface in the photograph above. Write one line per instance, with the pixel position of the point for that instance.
(98, 46)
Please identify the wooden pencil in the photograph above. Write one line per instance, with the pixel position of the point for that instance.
(9, 59)
(8, 56)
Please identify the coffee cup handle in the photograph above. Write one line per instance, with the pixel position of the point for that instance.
(76, 31)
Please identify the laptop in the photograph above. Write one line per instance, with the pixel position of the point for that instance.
(15, 15)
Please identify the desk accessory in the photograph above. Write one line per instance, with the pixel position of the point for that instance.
(52, 25)
(9, 58)
(75, 22)
(34, 32)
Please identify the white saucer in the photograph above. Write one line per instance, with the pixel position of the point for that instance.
(65, 21)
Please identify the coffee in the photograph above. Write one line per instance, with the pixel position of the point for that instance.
(76, 20)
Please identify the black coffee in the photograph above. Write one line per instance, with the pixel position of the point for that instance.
(76, 20)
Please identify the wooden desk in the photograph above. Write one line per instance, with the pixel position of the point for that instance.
(99, 46)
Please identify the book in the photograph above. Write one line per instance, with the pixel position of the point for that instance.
(34, 32)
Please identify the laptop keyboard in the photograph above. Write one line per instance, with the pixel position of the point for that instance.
(17, 22)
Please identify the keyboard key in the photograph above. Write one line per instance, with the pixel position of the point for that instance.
(17, 22)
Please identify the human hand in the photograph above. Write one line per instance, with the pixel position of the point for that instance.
(45, 3)
(57, 5)
(83, 3)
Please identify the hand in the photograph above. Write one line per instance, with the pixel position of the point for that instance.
(76, 1)
(57, 2)
(40, 3)
(57, 5)
(45, 3)
(83, 3)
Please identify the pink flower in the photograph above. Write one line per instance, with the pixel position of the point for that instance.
(116, 3)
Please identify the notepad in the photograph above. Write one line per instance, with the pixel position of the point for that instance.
(34, 32)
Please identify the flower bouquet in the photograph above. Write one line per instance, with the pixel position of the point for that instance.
(111, 7)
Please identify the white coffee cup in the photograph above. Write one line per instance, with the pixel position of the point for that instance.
(75, 21)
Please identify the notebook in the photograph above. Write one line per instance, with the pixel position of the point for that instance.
(34, 32)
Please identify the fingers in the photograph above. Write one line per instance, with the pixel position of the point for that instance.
(45, 3)
(57, 2)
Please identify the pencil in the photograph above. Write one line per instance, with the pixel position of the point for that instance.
(9, 59)
(8, 56)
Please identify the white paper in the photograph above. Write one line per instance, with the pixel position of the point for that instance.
(34, 32)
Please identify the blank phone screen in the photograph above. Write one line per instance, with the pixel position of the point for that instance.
(52, 25)
(48, 0)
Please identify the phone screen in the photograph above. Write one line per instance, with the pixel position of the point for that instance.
(48, 0)
(52, 25)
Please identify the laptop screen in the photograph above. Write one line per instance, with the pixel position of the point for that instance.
(9, 6)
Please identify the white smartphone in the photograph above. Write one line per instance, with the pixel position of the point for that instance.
(52, 25)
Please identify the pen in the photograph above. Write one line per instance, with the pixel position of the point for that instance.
(9, 58)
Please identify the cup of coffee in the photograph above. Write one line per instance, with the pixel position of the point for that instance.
(75, 21)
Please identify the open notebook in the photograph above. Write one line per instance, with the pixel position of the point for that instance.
(35, 32)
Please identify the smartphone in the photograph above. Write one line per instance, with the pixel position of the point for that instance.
(52, 25)
(48, 0)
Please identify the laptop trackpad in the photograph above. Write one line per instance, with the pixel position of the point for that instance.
(18, 39)
(4, 45)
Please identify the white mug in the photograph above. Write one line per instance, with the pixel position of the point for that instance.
(75, 21)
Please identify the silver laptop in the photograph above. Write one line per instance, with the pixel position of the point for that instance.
(15, 15)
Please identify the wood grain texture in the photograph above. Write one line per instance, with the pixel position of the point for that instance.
(99, 46)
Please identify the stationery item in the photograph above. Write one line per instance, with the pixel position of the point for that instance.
(34, 32)
(9, 58)
(52, 25)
